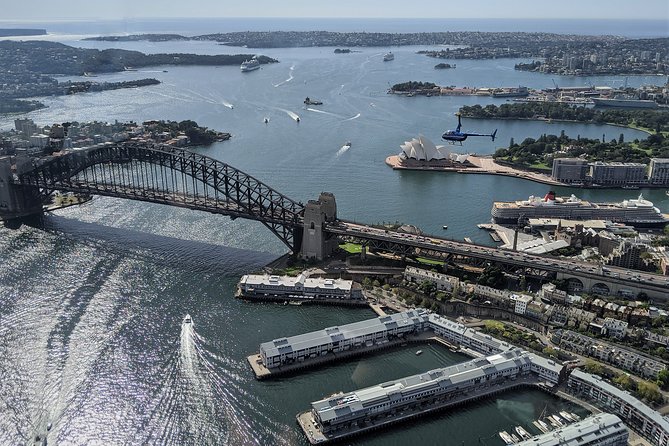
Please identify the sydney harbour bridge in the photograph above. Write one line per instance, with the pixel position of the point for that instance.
(177, 177)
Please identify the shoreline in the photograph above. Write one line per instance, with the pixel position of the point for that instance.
(485, 165)
(573, 121)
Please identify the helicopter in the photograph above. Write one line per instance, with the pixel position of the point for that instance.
(456, 135)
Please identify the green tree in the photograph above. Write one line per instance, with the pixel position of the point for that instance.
(663, 379)
(649, 392)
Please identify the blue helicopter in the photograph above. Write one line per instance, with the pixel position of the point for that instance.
(456, 135)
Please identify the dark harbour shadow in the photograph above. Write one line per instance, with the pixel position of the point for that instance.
(157, 249)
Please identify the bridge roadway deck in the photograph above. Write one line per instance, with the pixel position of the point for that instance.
(573, 268)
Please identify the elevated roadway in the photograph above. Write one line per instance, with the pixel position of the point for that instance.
(603, 278)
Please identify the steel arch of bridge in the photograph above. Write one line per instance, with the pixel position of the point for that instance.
(172, 176)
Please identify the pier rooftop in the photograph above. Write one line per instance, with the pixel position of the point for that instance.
(302, 287)
(345, 414)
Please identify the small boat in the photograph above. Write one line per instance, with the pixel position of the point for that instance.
(444, 227)
(297, 119)
(666, 193)
(523, 433)
(544, 427)
(419, 352)
(187, 319)
(504, 435)
(292, 302)
(348, 144)
(557, 420)
(468, 240)
(540, 427)
(566, 415)
(266, 120)
(574, 416)
(388, 56)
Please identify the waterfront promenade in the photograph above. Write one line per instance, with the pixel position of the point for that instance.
(482, 165)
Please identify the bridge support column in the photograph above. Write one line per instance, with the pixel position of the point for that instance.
(15, 200)
(316, 244)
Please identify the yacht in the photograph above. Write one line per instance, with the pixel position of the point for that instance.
(249, 65)
(388, 57)
(523, 433)
(419, 352)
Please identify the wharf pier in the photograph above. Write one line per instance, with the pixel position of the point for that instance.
(262, 372)
(316, 436)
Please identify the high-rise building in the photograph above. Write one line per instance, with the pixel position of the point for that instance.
(569, 170)
(617, 174)
(658, 171)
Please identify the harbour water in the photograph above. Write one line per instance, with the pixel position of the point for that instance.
(92, 298)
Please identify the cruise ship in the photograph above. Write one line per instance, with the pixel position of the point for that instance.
(388, 57)
(636, 212)
(250, 65)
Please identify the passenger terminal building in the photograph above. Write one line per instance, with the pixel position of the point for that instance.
(300, 287)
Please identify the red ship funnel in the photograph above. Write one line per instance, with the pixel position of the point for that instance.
(549, 196)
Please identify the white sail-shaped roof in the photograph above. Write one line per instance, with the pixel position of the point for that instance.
(422, 149)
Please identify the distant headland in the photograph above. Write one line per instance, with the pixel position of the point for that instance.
(12, 32)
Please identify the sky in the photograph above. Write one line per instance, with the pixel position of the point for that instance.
(44, 10)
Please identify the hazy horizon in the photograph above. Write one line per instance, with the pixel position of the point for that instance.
(42, 10)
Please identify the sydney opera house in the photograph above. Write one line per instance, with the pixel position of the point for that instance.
(422, 153)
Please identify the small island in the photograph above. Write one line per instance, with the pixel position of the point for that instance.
(442, 66)
(342, 50)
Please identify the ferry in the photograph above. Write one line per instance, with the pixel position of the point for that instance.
(249, 65)
(309, 101)
(388, 57)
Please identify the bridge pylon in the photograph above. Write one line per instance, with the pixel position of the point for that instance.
(16, 200)
(317, 244)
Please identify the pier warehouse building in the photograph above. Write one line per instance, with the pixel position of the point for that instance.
(361, 334)
(375, 332)
(436, 388)
(284, 287)
(603, 430)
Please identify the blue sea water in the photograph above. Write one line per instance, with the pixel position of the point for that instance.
(91, 300)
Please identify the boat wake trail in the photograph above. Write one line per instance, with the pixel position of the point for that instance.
(293, 115)
(343, 150)
(353, 117)
(290, 77)
(324, 112)
(203, 401)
